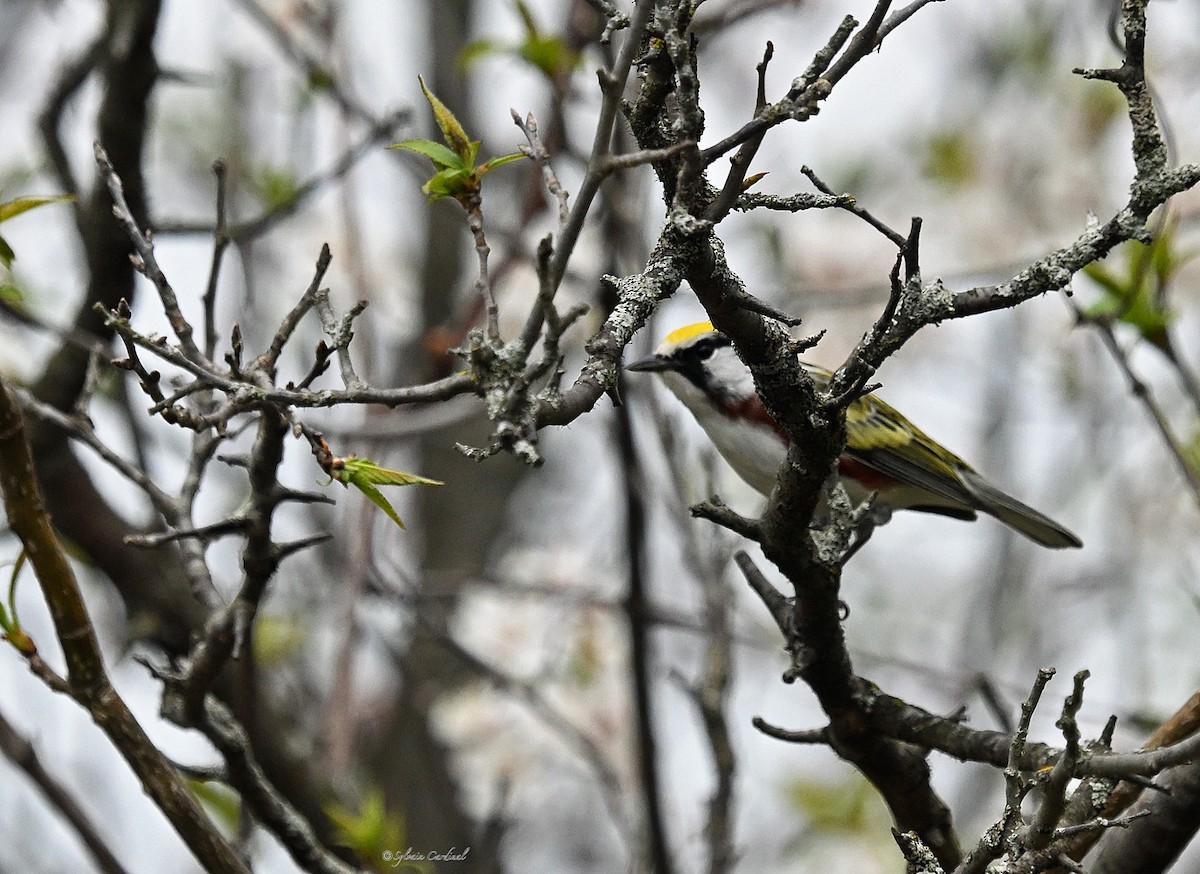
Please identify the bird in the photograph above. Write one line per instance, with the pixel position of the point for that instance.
(885, 453)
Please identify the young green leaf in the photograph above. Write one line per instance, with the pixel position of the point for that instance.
(500, 161)
(1136, 295)
(383, 476)
(476, 50)
(12, 208)
(452, 131)
(10, 295)
(10, 623)
(276, 187)
(219, 800)
(374, 832)
(441, 156)
(365, 475)
(12, 583)
(548, 53)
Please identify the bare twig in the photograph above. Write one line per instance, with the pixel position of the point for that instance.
(306, 61)
(579, 742)
(612, 87)
(220, 243)
(287, 327)
(1042, 830)
(146, 262)
(538, 151)
(252, 228)
(21, 752)
(1141, 392)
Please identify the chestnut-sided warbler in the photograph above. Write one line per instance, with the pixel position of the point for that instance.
(885, 453)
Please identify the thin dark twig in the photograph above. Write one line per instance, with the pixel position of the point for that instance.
(739, 164)
(1141, 391)
(814, 736)
(147, 264)
(851, 206)
(270, 807)
(612, 85)
(220, 243)
(252, 228)
(309, 63)
(776, 602)
(21, 752)
(900, 16)
(85, 434)
(580, 742)
(287, 327)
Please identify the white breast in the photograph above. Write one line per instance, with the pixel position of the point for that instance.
(753, 450)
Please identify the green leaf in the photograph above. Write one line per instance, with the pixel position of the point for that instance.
(1191, 451)
(500, 161)
(950, 158)
(452, 131)
(550, 54)
(1134, 293)
(276, 187)
(10, 623)
(376, 497)
(477, 50)
(448, 183)
(441, 156)
(457, 175)
(320, 79)
(277, 637)
(11, 208)
(375, 834)
(384, 476)
(847, 808)
(1139, 310)
(1104, 278)
(12, 583)
(364, 475)
(11, 296)
(222, 802)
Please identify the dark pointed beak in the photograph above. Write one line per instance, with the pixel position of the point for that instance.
(650, 364)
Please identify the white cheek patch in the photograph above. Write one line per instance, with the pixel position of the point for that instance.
(729, 375)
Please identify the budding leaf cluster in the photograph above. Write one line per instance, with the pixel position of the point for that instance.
(457, 176)
(365, 475)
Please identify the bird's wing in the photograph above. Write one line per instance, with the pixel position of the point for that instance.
(878, 436)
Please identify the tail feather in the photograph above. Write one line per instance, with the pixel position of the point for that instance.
(1034, 525)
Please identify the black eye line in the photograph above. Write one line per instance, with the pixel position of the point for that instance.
(704, 348)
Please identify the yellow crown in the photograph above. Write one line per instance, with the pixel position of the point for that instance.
(687, 332)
